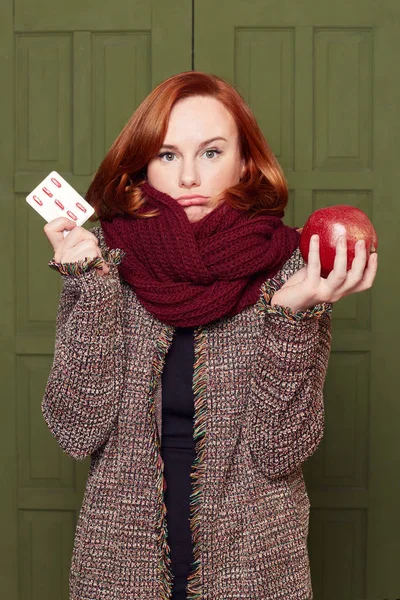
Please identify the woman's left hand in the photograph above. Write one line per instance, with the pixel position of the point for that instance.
(306, 287)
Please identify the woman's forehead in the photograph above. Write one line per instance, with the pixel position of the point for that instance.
(199, 118)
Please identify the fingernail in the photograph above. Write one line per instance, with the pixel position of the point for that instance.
(343, 240)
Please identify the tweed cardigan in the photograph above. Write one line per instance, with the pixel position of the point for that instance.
(258, 383)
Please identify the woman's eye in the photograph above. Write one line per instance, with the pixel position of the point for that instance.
(163, 154)
(212, 152)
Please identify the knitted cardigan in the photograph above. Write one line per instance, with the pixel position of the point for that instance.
(258, 383)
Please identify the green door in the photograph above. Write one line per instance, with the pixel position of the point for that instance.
(75, 71)
(323, 80)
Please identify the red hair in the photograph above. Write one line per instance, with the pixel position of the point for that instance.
(115, 188)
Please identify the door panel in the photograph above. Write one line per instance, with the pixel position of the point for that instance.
(74, 73)
(321, 79)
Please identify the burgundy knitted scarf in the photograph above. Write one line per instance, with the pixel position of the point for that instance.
(190, 274)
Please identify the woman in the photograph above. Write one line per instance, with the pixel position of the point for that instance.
(191, 350)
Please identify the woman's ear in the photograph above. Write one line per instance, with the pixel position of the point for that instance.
(242, 168)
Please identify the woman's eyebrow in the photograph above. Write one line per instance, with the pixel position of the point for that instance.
(172, 147)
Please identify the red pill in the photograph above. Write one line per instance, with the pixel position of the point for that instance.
(56, 182)
(48, 192)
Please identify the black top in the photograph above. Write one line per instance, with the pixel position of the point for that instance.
(178, 452)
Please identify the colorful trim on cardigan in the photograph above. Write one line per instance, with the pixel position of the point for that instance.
(271, 286)
(78, 268)
(194, 586)
(165, 570)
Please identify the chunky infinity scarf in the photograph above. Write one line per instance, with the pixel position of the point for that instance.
(190, 274)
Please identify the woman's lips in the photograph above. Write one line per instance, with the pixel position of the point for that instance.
(192, 201)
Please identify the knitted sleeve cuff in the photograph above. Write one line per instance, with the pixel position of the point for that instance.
(273, 285)
(80, 267)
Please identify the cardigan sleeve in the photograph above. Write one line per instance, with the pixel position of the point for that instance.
(285, 418)
(81, 399)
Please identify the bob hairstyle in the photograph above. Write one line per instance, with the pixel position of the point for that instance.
(115, 188)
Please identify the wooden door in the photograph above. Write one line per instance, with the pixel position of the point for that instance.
(73, 73)
(322, 78)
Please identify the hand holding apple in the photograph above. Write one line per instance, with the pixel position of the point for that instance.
(330, 223)
(308, 286)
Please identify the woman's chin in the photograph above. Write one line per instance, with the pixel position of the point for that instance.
(195, 213)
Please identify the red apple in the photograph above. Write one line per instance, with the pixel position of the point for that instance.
(332, 222)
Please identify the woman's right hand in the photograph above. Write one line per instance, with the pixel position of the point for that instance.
(77, 245)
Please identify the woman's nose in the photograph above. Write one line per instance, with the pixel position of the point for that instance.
(189, 174)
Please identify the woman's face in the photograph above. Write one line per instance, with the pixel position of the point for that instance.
(200, 155)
